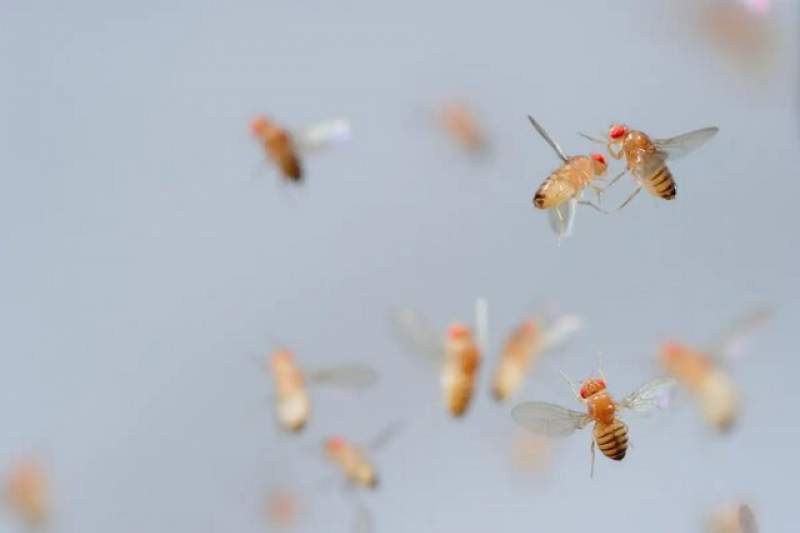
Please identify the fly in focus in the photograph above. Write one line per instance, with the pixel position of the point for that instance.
(286, 149)
(459, 353)
(610, 434)
(646, 158)
(293, 405)
(561, 191)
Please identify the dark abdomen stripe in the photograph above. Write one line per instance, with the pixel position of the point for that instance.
(612, 439)
(662, 183)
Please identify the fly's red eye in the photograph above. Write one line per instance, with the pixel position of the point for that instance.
(601, 383)
(257, 125)
(616, 132)
(584, 392)
(599, 158)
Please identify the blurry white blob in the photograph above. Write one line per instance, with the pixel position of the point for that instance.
(732, 518)
(324, 134)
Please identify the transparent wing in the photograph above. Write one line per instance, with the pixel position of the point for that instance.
(415, 334)
(351, 376)
(560, 331)
(653, 394)
(323, 135)
(593, 139)
(547, 138)
(548, 419)
(384, 437)
(730, 343)
(562, 218)
(680, 145)
(747, 520)
(363, 520)
(482, 324)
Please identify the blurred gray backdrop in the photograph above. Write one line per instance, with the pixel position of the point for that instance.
(149, 256)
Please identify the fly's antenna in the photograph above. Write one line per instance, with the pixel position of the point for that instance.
(600, 366)
(571, 384)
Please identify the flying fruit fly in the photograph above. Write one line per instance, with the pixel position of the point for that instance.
(561, 191)
(286, 149)
(26, 493)
(459, 353)
(462, 126)
(291, 384)
(701, 371)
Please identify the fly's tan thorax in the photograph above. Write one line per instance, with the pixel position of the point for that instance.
(354, 465)
(569, 179)
(637, 146)
(462, 359)
(601, 407)
(612, 438)
(719, 400)
(515, 360)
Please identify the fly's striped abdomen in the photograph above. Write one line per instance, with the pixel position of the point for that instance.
(661, 183)
(612, 439)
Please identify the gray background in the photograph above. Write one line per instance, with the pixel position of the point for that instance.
(144, 268)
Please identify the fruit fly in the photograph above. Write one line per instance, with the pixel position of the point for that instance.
(527, 342)
(561, 191)
(352, 460)
(463, 127)
(293, 404)
(285, 149)
(700, 371)
(283, 508)
(26, 493)
(737, 518)
(610, 434)
(459, 353)
(646, 157)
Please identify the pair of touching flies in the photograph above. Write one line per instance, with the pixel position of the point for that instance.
(460, 351)
(645, 158)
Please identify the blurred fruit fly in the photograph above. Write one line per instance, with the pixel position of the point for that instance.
(735, 518)
(647, 158)
(352, 462)
(285, 149)
(527, 342)
(293, 404)
(610, 434)
(561, 191)
(463, 127)
(459, 353)
(700, 371)
(26, 493)
(283, 508)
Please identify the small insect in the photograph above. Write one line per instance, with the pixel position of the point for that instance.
(285, 148)
(26, 493)
(352, 459)
(561, 191)
(293, 404)
(459, 353)
(463, 127)
(700, 371)
(283, 508)
(647, 158)
(610, 434)
(527, 342)
(735, 518)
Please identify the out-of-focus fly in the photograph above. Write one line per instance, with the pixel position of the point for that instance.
(293, 404)
(462, 126)
(610, 434)
(26, 493)
(460, 352)
(701, 371)
(286, 149)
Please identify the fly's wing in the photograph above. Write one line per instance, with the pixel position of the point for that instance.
(562, 218)
(363, 520)
(482, 324)
(560, 331)
(384, 437)
(680, 145)
(351, 376)
(747, 520)
(597, 140)
(653, 394)
(548, 139)
(323, 135)
(730, 343)
(548, 419)
(415, 334)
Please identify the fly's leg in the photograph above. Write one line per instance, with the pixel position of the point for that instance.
(612, 153)
(591, 468)
(593, 206)
(631, 197)
(561, 222)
